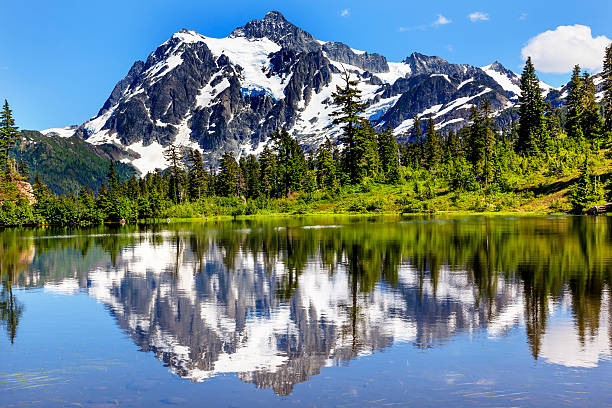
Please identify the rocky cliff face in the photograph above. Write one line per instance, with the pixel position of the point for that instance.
(231, 93)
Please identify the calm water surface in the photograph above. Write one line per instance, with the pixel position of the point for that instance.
(310, 312)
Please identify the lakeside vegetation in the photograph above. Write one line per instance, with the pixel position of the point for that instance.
(549, 160)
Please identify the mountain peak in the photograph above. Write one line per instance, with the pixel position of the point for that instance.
(278, 29)
(497, 67)
(275, 16)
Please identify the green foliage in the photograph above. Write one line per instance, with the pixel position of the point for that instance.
(433, 151)
(607, 90)
(8, 136)
(65, 165)
(587, 192)
(532, 114)
(531, 166)
(347, 115)
(228, 181)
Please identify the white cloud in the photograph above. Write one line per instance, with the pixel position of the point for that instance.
(557, 51)
(414, 28)
(441, 21)
(478, 16)
(345, 13)
(523, 16)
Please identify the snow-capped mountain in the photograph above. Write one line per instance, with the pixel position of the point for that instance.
(217, 94)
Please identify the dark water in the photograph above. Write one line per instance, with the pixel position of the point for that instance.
(310, 312)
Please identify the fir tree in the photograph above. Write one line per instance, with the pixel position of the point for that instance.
(23, 169)
(326, 167)
(249, 168)
(267, 172)
(197, 176)
(174, 155)
(366, 153)
(389, 156)
(8, 136)
(347, 100)
(291, 162)
(433, 151)
(590, 121)
(417, 146)
(530, 111)
(607, 89)
(573, 125)
(228, 180)
(587, 192)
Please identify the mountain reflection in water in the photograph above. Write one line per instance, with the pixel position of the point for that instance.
(276, 301)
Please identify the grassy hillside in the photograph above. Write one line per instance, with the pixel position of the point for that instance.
(65, 164)
(420, 191)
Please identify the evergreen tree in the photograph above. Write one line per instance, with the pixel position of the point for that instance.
(326, 167)
(366, 153)
(433, 151)
(196, 175)
(267, 172)
(23, 169)
(590, 121)
(174, 155)
(530, 111)
(249, 168)
(607, 89)
(389, 155)
(573, 125)
(228, 180)
(587, 192)
(487, 142)
(417, 146)
(347, 100)
(8, 136)
(291, 162)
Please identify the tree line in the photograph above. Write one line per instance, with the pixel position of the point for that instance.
(477, 159)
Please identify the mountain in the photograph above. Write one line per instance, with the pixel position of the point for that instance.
(65, 164)
(217, 94)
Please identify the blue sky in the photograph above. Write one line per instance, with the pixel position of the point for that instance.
(59, 60)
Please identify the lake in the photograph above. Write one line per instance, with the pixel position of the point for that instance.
(346, 311)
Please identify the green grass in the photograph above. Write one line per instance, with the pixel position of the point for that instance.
(537, 192)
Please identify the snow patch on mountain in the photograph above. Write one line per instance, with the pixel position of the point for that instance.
(151, 157)
(253, 56)
(507, 83)
(396, 70)
(67, 131)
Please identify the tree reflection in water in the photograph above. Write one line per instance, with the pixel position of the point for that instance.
(275, 301)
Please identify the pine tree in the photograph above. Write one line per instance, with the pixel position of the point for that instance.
(174, 155)
(607, 89)
(228, 180)
(416, 146)
(590, 122)
(573, 125)
(530, 111)
(196, 175)
(347, 100)
(8, 136)
(389, 155)
(433, 151)
(290, 161)
(587, 192)
(326, 167)
(249, 168)
(267, 172)
(488, 141)
(23, 169)
(366, 152)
